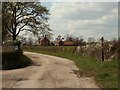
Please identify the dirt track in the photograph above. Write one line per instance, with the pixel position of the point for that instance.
(49, 72)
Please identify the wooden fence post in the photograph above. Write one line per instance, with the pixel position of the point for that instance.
(102, 49)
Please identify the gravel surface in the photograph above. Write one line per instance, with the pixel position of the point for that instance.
(48, 72)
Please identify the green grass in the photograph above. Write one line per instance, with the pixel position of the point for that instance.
(105, 73)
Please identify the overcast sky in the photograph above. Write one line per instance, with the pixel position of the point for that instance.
(87, 19)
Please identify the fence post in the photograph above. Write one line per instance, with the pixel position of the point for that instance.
(102, 49)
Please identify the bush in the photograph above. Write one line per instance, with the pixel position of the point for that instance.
(14, 60)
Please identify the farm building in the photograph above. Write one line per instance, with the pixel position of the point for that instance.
(68, 43)
(59, 43)
(44, 41)
(64, 43)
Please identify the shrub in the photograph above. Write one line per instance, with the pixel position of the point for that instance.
(14, 60)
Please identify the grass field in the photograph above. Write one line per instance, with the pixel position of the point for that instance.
(105, 73)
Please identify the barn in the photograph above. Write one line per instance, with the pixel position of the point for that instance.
(64, 43)
(68, 43)
(44, 41)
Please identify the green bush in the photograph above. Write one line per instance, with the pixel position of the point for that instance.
(14, 60)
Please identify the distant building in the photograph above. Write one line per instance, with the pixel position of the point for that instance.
(64, 43)
(61, 43)
(68, 43)
(44, 41)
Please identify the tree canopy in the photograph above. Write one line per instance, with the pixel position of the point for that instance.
(20, 16)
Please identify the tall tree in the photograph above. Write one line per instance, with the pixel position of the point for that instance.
(79, 41)
(69, 38)
(91, 40)
(20, 16)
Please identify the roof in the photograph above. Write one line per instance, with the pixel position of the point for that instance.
(68, 43)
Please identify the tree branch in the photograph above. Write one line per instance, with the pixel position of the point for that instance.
(8, 28)
(21, 10)
(21, 28)
(26, 29)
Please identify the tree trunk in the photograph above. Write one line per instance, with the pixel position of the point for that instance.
(14, 37)
(14, 34)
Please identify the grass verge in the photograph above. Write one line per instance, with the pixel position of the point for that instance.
(105, 73)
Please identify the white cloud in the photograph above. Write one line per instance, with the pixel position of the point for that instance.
(114, 10)
(86, 19)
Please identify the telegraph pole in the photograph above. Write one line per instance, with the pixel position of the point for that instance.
(102, 48)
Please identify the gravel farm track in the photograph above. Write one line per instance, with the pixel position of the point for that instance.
(47, 72)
